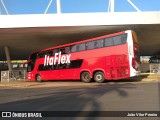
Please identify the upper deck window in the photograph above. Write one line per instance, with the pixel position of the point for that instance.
(116, 40)
(94, 44)
(67, 50)
(108, 42)
(79, 47)
(105, 42)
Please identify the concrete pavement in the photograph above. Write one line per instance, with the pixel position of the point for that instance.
(126, 95)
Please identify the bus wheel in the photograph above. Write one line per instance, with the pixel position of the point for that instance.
(85, 77)
(38, 78)
(99, 77)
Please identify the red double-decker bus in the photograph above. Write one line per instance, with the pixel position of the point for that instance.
(108, 57)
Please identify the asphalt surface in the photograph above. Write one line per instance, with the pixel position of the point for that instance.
(78, 96)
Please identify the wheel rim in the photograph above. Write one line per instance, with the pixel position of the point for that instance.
(38, 78)
(99, 77)
(86, 76)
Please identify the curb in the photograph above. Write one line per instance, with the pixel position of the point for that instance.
(19, 84)
(149, 79)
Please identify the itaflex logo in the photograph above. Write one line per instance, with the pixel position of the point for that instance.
(57, 59)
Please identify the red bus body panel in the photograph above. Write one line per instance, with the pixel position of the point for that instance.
(113, 61)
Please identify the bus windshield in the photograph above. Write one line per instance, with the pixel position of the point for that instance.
(30, 66)
(31, 62)
(33, 56)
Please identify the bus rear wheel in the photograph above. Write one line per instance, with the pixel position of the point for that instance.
(99, 77)
(85, 77)
(38, 78)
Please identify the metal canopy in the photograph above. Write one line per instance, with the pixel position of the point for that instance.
(24, 34)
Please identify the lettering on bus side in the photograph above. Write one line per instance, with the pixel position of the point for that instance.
(57, 59)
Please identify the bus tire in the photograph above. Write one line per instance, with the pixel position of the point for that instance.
(38, 78)
(85, 77)
(99, 77)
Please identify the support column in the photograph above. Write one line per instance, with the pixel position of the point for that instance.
(58, 2)
(8, 57)
(112, 6)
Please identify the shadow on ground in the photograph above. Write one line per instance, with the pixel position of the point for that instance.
(86, 98)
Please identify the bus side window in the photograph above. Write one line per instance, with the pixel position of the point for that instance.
(62, 50)
(68, 65)
(90, 45)
(45, 53)
(117, 40)
(76, 63)
(124, 38)
(121, 39)
(86, 46)
(50, 53)
(95, 44)
(41, 67)
(55, 51)
(67, 50)
(77, 48)
(101, 43)
(82, 47)
(98, 44)
(56, 66)
(73, 48)
(62, 66)
(108, 42)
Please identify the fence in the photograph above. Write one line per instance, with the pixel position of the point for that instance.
(154, 68)
(8, 76)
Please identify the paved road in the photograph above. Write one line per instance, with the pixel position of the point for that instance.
(78, 96)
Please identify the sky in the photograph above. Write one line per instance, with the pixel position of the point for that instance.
(75, 6)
